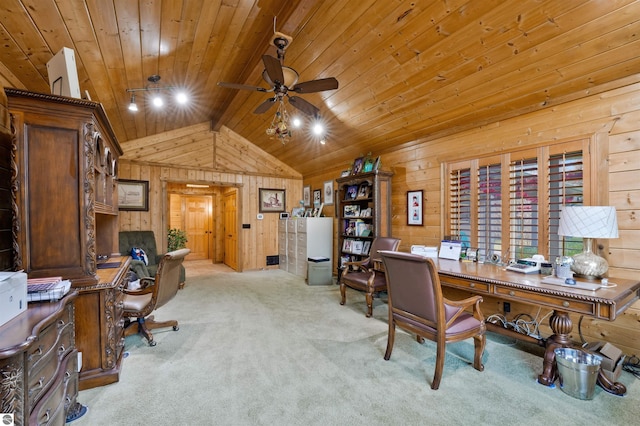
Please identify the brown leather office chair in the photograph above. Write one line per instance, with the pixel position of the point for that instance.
(417, 305)
(153, 293)
(362, 276)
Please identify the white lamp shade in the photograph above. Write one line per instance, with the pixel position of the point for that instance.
(588, 222)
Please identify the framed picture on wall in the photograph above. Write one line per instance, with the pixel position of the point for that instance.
(328, 193)
(415, 209)
(317, 197)
(133, 195)
(306, 196)
(271, 200)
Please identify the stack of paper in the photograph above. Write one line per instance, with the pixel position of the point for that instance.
(47, 289)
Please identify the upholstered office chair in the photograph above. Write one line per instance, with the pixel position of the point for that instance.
(362, 275)
(153, 293)
(417, 305)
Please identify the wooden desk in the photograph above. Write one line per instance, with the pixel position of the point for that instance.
(603, 303)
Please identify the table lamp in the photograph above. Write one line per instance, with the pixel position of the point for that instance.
(588, 222)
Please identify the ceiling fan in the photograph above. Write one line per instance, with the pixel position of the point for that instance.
(283, 80)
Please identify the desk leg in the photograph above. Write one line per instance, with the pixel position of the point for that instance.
(561, 325)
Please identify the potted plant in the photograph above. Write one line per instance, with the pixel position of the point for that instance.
(177, 239)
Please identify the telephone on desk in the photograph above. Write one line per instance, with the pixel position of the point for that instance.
(528, 265)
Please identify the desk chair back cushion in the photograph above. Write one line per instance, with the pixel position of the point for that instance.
(168, 275)
(145, 240)
(363, 277)
(416, 303)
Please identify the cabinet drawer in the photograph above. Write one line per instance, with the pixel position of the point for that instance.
(44, 371)
(302, 225)
(52, 408)
(556, 302)
(292, 226)
(473, 286)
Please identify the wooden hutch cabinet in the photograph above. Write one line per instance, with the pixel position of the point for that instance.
(363, 211)
(67, 212)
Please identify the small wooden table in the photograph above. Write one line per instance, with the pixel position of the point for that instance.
(604, 303)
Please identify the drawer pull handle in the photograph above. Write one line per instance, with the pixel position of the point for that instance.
(512, 293)
(61, 323)
(36, 353)
(37, 386)
(46, 415)
(472, 285)
(61, 349)
(565, 304)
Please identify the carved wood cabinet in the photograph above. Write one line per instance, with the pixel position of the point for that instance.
(39, 364)
(67, 215)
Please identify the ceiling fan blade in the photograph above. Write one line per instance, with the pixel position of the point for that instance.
(264, 107)
(319, 85)
(273, 68)
(242, 86)
(304, 106)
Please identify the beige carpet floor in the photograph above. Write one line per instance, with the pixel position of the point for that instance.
(264, 348)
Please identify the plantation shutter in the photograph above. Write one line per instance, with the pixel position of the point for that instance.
(490, 208)
(460, 203)
(523, 217)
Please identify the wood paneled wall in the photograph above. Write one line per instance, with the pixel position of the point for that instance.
(611, 118)
(227, 161)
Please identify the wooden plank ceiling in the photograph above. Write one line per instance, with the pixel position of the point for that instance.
(408, 71)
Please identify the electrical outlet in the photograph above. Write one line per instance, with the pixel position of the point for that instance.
(507, 307)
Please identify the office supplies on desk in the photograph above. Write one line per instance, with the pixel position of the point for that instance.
(47, 289)
(450, 250)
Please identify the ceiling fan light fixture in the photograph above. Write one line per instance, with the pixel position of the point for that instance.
(182, 98)
(291, 77)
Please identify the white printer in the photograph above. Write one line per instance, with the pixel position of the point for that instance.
(13, 295)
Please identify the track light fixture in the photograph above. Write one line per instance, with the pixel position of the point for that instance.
(156, 90)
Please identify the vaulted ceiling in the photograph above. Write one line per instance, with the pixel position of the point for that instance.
(408, 71)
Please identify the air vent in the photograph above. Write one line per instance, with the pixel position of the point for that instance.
(273, 260)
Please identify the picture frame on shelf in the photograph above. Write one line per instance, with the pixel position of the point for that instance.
(271, 200)
(328, 193)
(356, 246)
(415, 208)
(358, 164)
(376, 164)
(351, 210)
(345, 173)
(366, 247)
(133, 195)
(368, 165)
(319, 211)
(297, 212)
(317, 197)
(308, 212)
(352, 192)
(346, 245)
(364, 190)
(306, 196)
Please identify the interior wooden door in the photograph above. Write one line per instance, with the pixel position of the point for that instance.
(199, 225)
(231, 230)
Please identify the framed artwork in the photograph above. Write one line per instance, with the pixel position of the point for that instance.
(133, 195)
(415, 210)
(306, 196)
(317, 197)
(328, 193)
(271, 200)
(364, 191)
(358, 164)
(352, 192)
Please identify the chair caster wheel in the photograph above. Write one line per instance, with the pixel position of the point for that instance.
(176, 328)
(153, 343)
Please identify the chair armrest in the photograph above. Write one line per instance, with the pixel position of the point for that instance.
(464, 304)
(357, 265)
